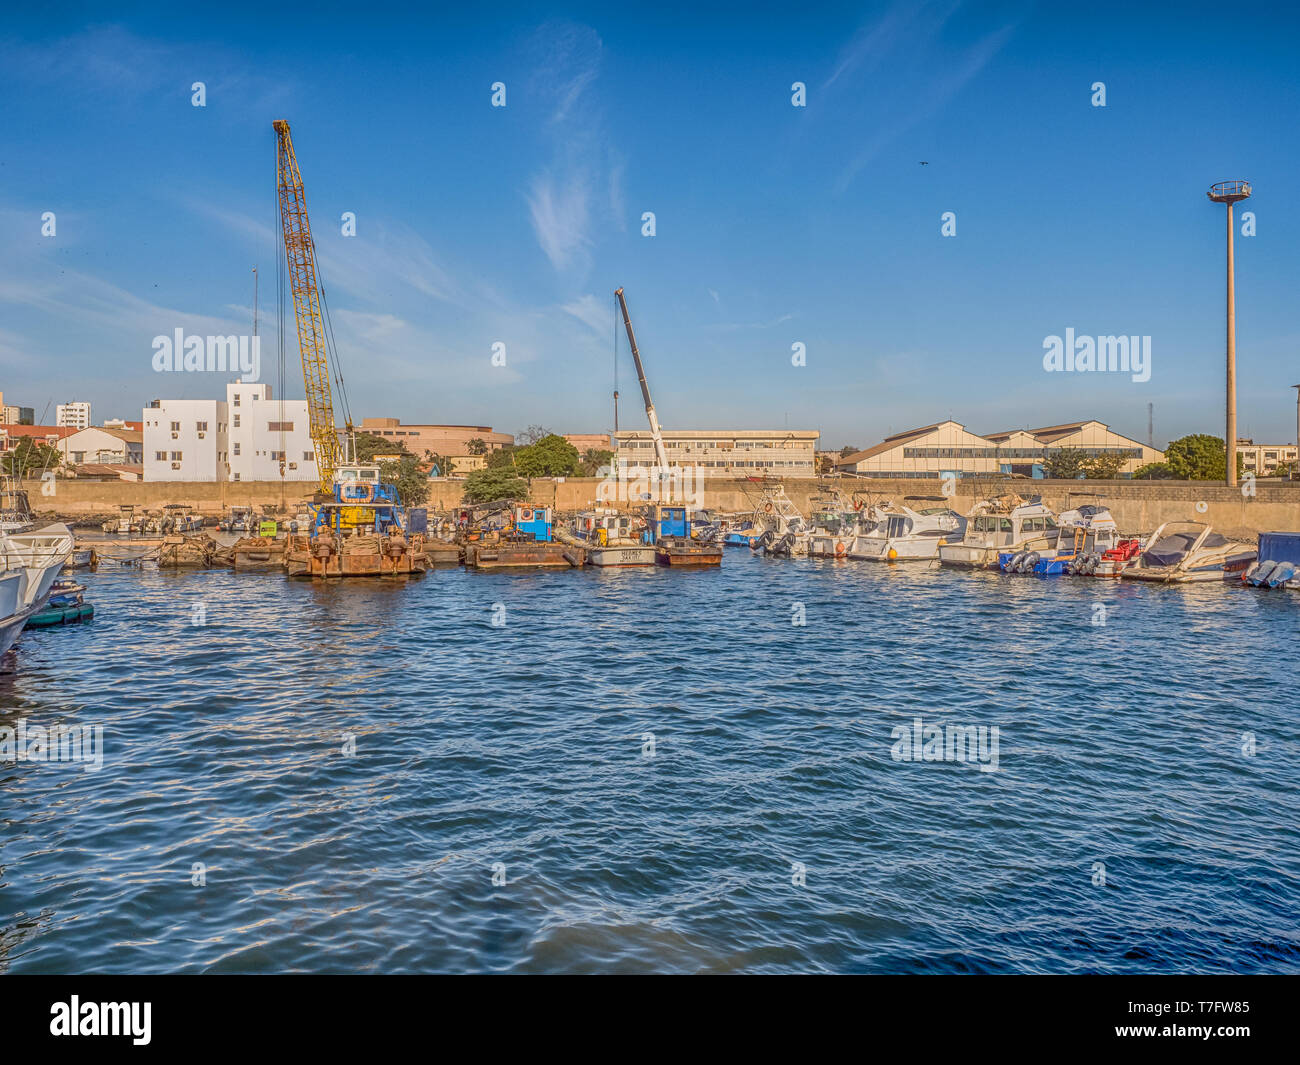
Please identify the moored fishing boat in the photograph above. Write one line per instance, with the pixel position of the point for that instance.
(610, 538)
(668, 529)
(1083, 535)
(1184, 551)
(1115, 561)
(524, 540)
(1007, 523)
(899, 533)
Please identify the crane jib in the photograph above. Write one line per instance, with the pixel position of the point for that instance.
(300, 256)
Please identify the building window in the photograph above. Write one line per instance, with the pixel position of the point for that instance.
(236, 423)
(160, 456)
(236, 451)
(236, 477)
(309, 456)
(176, 427)
(277, 456)
(201, 427)
(236, 402)
(177, 456)
(279, 427)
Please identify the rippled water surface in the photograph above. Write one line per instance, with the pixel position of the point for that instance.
(648, 758)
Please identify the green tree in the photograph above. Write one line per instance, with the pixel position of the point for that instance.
(1155, 471)
(477, 446)
(1198, 457)
(1066, 464)
(368, 445)
(29, 457)
(485, 486)
(1104, 467)
(551, 456)
(502, 459)
(406, 476)
(847, 450)
(594, 459)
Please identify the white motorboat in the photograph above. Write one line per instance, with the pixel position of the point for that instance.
(29, 565)
(1007, 523)
(902, 534)
(1084, 535)
(1183, 551)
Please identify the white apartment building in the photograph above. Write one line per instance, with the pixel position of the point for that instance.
(726, 452)
(72, 415)
(265, 432)
(239, 439)
(185, 440)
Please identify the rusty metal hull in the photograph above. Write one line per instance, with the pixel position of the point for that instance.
(521, 556)
(442, 553)
(257, 554)
(683, 553)
(354, 560)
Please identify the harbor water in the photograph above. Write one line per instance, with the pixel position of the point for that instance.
(606, 771)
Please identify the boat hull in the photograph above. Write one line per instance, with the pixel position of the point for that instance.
(521, 556)
(685, 554)
(614, 556)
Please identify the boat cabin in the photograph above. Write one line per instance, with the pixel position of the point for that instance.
(533, 521)
(1005, 528)
(667, 521)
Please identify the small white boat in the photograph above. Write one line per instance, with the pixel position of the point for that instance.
(613, 539)
(1084, 534)
(29, 565)
(902, 534)
(1183, 551)
(1008, 523)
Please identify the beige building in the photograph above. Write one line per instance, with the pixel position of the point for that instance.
(585, 442)
(438, 439)
(726, 452)
(949, 447)
(1263, 459)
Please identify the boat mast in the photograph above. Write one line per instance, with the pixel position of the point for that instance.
(661, 456)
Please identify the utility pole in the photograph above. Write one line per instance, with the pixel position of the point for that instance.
(1295, 468)
(1230, 192)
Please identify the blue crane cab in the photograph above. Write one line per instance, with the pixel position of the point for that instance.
(361, 503)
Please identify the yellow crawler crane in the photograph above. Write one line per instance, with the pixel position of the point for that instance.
(300, 255)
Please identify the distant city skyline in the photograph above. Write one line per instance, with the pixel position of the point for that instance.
(948, 197)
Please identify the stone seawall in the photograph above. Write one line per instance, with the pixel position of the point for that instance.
(1138, 506)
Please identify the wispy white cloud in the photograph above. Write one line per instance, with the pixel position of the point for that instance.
(911, 69)
(560, 216)
(582, 183)
(595, 314)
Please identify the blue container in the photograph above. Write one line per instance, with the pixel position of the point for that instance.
(417, 520)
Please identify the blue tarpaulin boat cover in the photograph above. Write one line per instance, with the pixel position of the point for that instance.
(1279, 547)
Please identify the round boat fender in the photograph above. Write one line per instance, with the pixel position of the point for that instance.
(768, 509)
(840, 549)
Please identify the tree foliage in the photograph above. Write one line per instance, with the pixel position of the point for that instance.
(406, 476)
(551, 456)
(487, 485)
(594, 459)
(502, 459)
(30, 457)
(533, 434)
(1070, 463)
(368, 445)
(477, 446)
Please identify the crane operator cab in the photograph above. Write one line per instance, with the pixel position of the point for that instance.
(361, 504)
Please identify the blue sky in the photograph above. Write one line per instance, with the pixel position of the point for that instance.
(775, 225)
